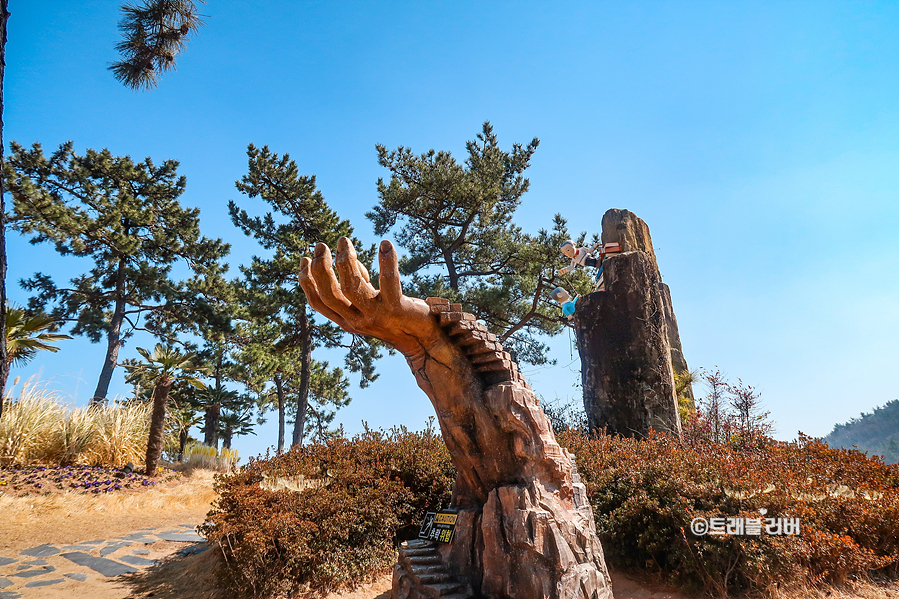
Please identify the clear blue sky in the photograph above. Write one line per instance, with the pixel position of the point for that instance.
(759, 141)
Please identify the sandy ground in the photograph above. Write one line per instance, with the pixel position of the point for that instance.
(68, 519)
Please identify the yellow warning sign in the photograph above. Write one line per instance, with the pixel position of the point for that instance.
(444, 518)
(438, 526)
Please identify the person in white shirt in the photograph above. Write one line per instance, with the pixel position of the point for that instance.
(582, 256)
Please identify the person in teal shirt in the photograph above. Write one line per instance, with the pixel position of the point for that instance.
(565, 300)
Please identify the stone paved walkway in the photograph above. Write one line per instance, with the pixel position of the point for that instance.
(49, 564)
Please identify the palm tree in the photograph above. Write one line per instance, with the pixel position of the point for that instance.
(212, 401)
(153, 33)
(236, 423)
(25, 336)
(166, 365)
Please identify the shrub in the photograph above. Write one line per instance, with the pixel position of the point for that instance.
(645, 493)
(337, 532)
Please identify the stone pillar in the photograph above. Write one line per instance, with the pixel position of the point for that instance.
(632, 233)
(622, 337)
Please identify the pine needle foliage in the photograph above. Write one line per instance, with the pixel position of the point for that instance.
(278, 331)
(126, 218)
(154, 32)
(455, 222)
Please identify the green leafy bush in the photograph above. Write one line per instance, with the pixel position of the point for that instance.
(336, 527)
(645, 493)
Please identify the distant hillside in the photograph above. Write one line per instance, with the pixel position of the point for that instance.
(876, 433)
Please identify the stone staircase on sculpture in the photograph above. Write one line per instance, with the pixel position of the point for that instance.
(420, 570)
(487, 356)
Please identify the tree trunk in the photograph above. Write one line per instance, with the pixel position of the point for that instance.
(113, 337)
(305, 375)
(157, 423)
(622, 339)
(214, 411)
(4, 364)
(183, 436)
(279, 390)
(451, 270)
(210, 430)
(226, 439)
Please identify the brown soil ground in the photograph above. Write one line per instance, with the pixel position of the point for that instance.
(62, 519)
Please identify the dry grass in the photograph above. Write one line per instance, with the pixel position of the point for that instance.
(69, 517)
(863, 589)
(206, 457)
(37, 427)
(176, 578)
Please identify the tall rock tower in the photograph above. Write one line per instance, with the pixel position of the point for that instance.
(628, 339)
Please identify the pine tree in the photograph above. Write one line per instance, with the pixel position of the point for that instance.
(124, 216)
(153, 33)
(328, 392)
(457, 219)
(299, 219)
(265, 370)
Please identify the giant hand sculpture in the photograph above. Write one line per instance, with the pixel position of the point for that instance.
(525, 528)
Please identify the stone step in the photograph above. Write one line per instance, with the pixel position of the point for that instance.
(420, 551)
(465, 326)
(432, 579)
(497, 376)
(483, 348)
(490, 357)
(494, 365)
(463, 595)
(443, 589)
(425, 570)
(467, 337)
(450, 317)
(436, 301)
(423, 560)
(418, 543)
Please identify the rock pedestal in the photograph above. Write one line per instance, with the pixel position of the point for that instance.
(622, 339)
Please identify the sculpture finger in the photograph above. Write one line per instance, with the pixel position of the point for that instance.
(328, 287)
(364, 272)
(307, 282)
(353, 283)
(389, 277)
